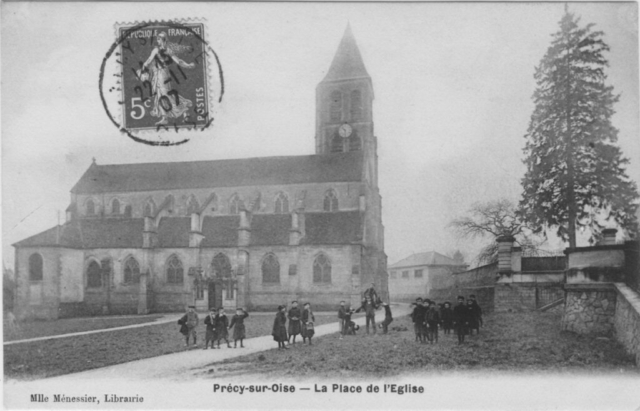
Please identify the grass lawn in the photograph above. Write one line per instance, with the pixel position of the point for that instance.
(520, 342)
(33, 329)
(42, 359)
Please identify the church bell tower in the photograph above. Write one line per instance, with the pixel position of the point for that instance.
(344, 103)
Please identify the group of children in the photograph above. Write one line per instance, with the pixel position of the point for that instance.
(217, 327)
(427, 316)
(300, 323)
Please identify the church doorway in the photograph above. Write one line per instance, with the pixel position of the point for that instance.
(212, 295)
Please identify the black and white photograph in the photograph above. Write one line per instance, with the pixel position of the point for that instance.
(323, 205)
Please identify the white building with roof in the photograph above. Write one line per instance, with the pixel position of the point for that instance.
(416, 275)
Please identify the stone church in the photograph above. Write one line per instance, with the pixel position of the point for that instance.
(255, 232)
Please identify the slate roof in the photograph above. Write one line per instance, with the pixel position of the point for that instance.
(270, 229)
(347, 62)
(428, 258)
(333, 228)
(91, 233)
(336, 167)
(219, 231)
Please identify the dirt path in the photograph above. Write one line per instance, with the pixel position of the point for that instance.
(173, 366)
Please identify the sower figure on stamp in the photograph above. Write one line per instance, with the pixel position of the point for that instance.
(307, 323)
(210, 323)
(369, 308)
(190, 319)
(238, 321)
(388, 318)
(167, 103)
(222, 322)
(279, 331)
(446, 316)
(460, 319)
(295, 327)
(341, 313)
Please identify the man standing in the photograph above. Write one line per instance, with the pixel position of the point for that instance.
(370, 313)
(342, 311)
(460, 319)
(190, 319)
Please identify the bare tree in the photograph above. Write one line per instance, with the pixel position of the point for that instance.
(493, 219)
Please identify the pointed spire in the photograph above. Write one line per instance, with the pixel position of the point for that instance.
(347, 63)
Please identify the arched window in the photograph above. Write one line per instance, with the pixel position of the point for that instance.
(115, 206)
(336, 144)
(282, 204)
(94, 275)
(175, 272)
(127, 211)
(356, 105)
(335, 107)
(131, 271)
(354, 143)
(91, 207)
(221, 266)
(270, 269)
(235, 204)
(330, 201)
(243, 262)
(35, 267)
(192, 205)
(322, 269)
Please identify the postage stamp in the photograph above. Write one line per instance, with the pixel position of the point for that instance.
(156, 81)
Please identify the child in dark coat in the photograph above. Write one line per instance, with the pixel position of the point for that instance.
(477, 311)
(279, 331)
(210, 323)
(461, 319)
(432, 319)
(473, 322)
(349, 326)
(222, 323)
(295, 326)
(446, 316)
(341, 313)
(307, 323)
(417, 315)
(189, 321)
(388, 318)
(238, 321)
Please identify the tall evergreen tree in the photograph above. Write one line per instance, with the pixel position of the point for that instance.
(576, 177)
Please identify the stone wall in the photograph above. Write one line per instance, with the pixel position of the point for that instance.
(627, 319)
(590, 309)
(479, 281)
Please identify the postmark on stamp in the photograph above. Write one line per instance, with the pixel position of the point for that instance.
(161, 80)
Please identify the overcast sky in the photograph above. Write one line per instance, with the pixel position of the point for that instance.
(453, 85)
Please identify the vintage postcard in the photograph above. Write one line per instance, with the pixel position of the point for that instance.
(370, 205)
